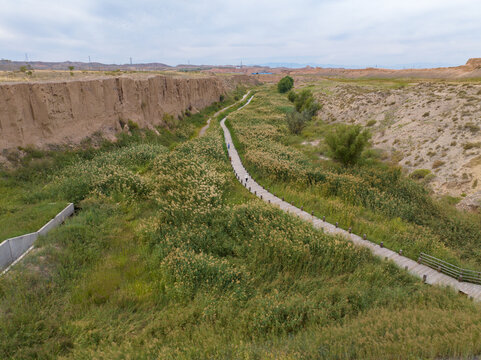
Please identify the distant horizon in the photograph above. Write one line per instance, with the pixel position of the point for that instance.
(274, 64)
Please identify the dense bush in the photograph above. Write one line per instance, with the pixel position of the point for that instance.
(296, 121)
(347, 142)
(419, 174)
(285, 84)
(291, 96)
(304, 101)
(305, 108)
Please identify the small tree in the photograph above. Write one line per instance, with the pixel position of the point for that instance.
(285, 84)
(347, 143)
(71, 68)
(296, 121)
(292, 96)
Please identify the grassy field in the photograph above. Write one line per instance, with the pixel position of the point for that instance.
(169, 257)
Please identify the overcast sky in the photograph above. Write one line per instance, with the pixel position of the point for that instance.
(342, 32)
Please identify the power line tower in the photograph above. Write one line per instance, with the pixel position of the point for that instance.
(26, 57)
(131, 60)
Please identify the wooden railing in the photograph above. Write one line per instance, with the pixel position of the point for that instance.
(444, 267)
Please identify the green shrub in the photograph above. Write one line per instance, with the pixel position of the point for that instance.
(471, 127)
(296, 121)
(285, 84)
(304, 101)
(292, 96)
(371, 123)
(347, 143)
(419, 174)
(470, 145)
(133, 125)
(305, 108)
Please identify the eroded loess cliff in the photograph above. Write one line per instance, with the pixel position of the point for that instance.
(42, 114)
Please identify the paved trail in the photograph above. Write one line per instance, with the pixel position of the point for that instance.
(206, 126)
(432, 276)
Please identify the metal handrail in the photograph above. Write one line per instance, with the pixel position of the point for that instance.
(444, 267)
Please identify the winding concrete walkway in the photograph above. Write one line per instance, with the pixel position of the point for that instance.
(421, 271)
(206, 126)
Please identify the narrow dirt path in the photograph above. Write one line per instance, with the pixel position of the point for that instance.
(421, 271)
(206, 126)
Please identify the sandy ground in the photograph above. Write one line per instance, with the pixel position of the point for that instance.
(61, 75)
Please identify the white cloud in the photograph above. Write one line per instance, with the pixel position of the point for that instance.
(351, 32)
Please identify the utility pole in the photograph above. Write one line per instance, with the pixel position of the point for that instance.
(131, 60)
(26, 57)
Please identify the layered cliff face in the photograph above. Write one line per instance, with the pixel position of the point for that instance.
(42, 114)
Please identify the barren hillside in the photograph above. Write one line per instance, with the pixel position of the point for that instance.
(420, 125)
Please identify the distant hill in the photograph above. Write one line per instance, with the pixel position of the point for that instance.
(8, 65)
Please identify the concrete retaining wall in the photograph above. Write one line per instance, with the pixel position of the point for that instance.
(12, 249)
(20, 244)
(5, 254)
(57, 220)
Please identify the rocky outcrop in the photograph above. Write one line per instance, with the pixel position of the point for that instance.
(41, 114)
(474, 63)
(471, 202)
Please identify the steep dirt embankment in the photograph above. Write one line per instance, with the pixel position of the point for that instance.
(47, 113)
